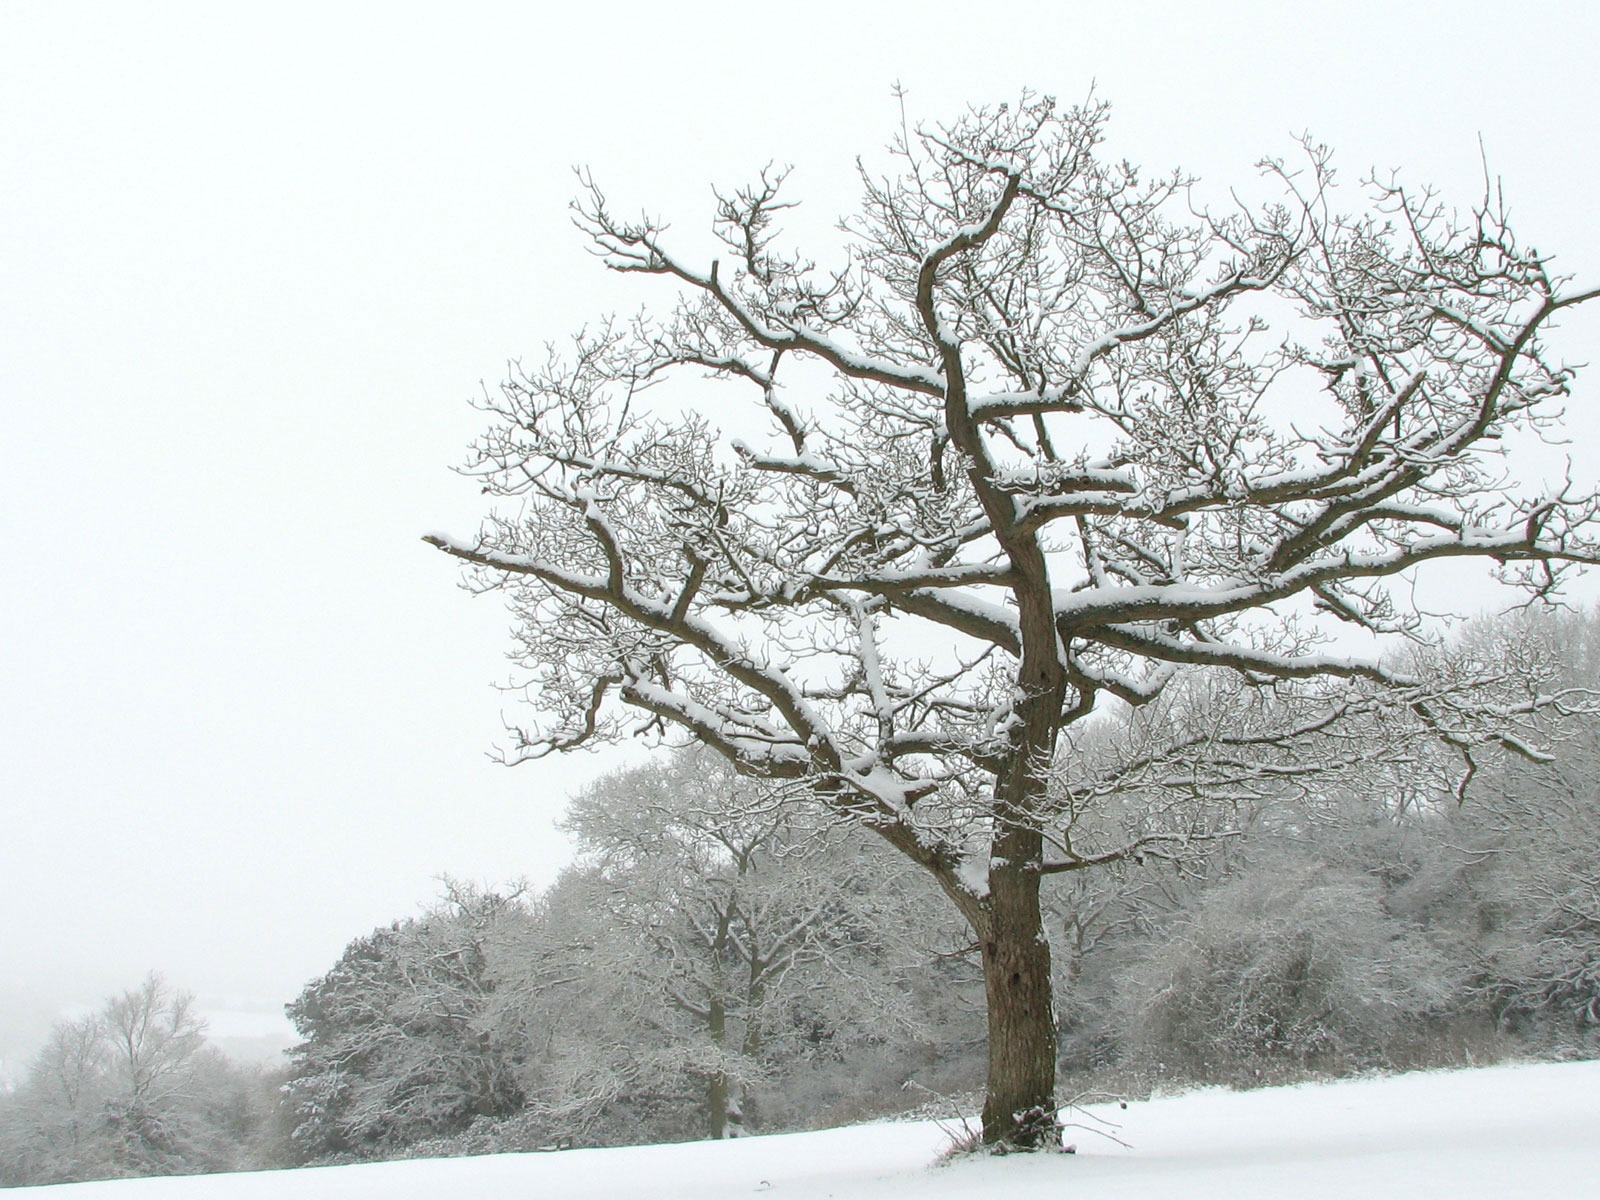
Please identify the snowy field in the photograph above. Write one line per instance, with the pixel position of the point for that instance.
(1500, 1132)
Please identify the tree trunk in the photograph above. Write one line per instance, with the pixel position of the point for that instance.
(717, 1085)
(1019, 1108)
(718, 1094)
(1020, 1105)
(742, 1115)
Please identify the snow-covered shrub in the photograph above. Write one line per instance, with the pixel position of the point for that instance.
(1296, 960)
(1538, 889)
(398, 1045)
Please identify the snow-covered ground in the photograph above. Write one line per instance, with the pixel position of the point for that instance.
(1501, 1132)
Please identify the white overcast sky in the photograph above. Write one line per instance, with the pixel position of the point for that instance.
(255, 259)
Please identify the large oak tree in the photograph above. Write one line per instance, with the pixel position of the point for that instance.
(1045, 433)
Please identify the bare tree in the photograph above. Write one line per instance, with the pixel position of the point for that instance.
(52, 1128)
(153, 1035)
(726, 919)
(1043, 435)
(132, 1090)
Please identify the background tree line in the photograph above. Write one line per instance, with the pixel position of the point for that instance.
(723, 959)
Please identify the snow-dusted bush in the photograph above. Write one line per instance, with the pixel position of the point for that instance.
(398, 1045)
(1533, 852)
(1295, 960)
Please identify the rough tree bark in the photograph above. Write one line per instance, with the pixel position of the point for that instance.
(1060, 456)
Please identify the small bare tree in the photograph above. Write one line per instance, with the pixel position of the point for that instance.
(723, 906)
(1044, 434)
(132, 1090)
